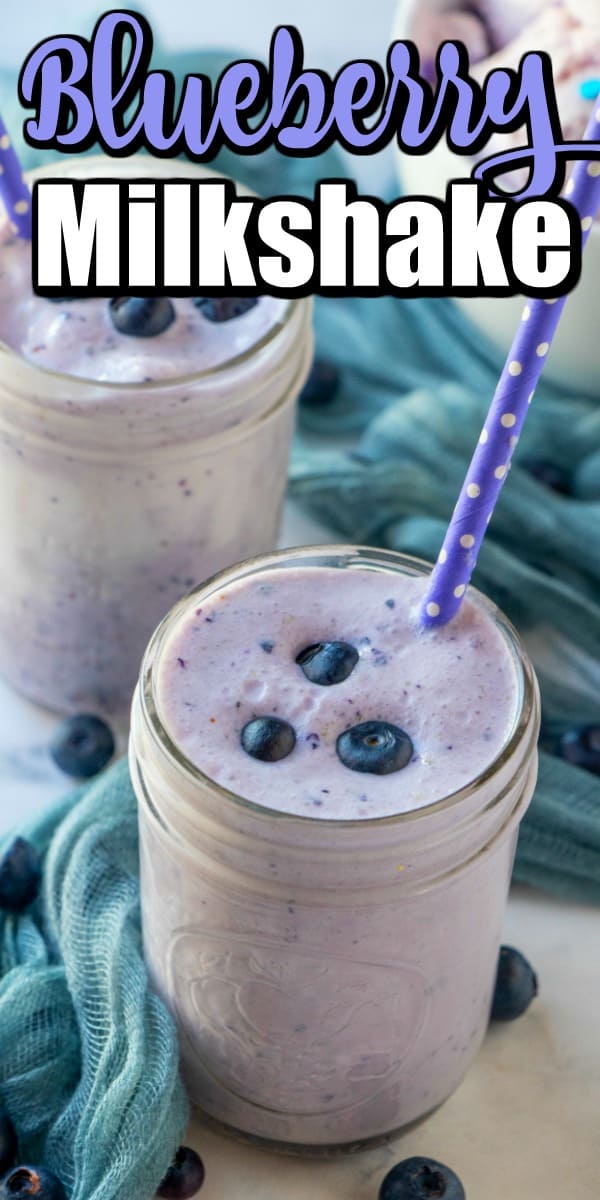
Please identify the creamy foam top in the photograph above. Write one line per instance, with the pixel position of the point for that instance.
(232, 658)
(77, 337)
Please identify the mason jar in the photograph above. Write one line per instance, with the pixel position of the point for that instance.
(117, 497)
(331, 980)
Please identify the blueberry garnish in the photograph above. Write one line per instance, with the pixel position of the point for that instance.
(82, 746)
(327, 663)
(184, 1177)
(20, 875)
(581, 748)
(321, 386)
(25, 1181)
(374, 747)
(548, 473)
(268, 739)
(141, 316)
(224, 308)
(421, 1179)
(8, 1142)
(516, 985)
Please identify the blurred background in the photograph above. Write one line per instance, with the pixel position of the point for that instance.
(332, 32)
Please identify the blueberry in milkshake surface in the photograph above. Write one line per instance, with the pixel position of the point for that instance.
(419, 715)
(128, 339)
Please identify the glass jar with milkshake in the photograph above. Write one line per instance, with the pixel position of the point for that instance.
(329, 800)
(143, 446)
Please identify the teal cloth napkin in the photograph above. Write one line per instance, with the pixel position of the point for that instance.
(88, 1054)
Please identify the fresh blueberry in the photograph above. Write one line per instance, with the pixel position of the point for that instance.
(24, 1181)
(321, 386)
(421, 1179)
(548, 473)
(375, 748)
(82, 746)
(268, 738)
(184, 1177)
(516, 985)
(224, 308)
(20, 875)
(581, 748)
(8, 1142)
(327, 663)
(141, 316)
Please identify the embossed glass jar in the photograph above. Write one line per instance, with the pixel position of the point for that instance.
(331, 980)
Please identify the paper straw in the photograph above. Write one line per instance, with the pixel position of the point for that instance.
(14, 191)
(514, 393)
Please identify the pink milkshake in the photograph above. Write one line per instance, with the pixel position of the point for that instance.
(329, 802)
(143, 446)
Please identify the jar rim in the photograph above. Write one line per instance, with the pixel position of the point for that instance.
(342, 556)
(275, 332)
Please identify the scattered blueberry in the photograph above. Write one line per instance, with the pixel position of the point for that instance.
(82, 746)
(20, 875)
(31, 1181)
(268, 739)
(374, 747)
(421, 1179)
(184, 1177)
(327, 663)
(321, 386)
(553, 477)
(141, 316)
(224, 308)
(516, 985)
(581, 748)
(8, 1142)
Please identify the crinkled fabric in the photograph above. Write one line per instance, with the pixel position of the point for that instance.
(88, 1054)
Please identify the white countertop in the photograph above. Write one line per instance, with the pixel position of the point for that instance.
(524, 1124)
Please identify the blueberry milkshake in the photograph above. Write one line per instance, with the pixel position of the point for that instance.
(329, 800)
(331, 703)
(143, 445)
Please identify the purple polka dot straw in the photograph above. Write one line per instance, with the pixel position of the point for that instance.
(500, 434)
(14, 191)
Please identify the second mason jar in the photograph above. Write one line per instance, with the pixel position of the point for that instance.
(331, 979)
(117, 496)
